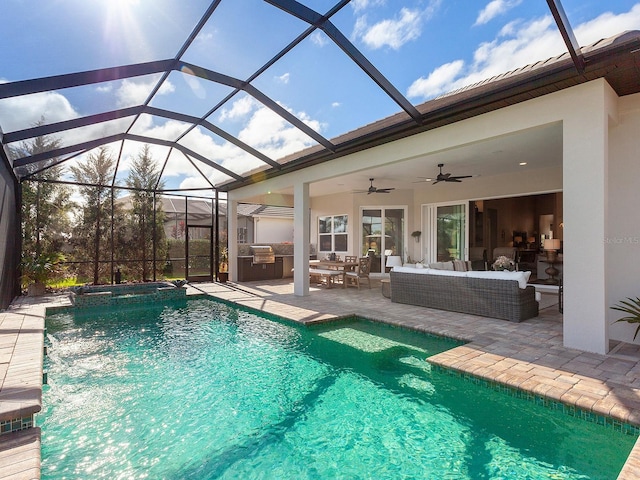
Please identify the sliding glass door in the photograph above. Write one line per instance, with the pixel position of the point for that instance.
(446, 227)
(383, 234)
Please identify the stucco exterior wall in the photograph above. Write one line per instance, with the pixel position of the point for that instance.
(622, 239)
(273, 230)
(599, 166)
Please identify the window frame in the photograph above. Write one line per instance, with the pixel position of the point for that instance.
(337, 233)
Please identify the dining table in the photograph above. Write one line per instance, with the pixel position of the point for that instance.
(340, 265)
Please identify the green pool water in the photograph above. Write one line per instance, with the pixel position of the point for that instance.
(198, 390)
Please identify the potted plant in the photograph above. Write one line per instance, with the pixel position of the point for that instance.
(223, 269)
(416, 235)
(503, 263)
(37, 271)
(631, 306)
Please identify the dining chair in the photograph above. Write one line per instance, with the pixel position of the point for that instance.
(478, 258)
(354, 278)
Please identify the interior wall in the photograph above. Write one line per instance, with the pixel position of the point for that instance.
(622, 238)
(521, 214)
(9, 237)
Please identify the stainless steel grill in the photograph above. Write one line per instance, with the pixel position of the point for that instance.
(263, 254)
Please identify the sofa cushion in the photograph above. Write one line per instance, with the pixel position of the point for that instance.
(447, 273)
(521, 277)
(461, 265)
(441, 265)
(412, 270)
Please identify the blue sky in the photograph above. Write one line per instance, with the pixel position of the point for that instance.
(424, 47)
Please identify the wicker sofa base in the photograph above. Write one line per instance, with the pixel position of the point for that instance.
(477, 296)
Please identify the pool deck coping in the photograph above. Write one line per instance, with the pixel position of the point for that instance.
(528, 356)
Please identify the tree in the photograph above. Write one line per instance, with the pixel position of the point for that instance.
(45, 205)
(92, 231)
(144, 180)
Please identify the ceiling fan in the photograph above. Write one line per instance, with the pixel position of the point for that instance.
(447, 177)
(373, 189)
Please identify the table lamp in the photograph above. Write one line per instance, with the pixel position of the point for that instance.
(393, 261)
(551, 247)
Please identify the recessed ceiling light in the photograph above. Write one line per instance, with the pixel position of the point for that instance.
(522, 163)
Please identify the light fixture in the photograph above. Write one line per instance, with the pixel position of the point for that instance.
(551, 247)
(393, 261)
(522, 164)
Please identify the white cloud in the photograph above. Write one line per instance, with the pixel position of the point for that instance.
(272, 135)
(359, 5)
(239, 108)
(135, 92)
(336, 104)
(518, 44)
(607, 25)
(437, 81)
(284, 78)
(204, 37)
(393, 33)
(25, 111)
(319, 38)
(107, 88)
(262, 129)
(495, 8)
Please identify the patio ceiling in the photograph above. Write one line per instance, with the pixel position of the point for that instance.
(194, 131)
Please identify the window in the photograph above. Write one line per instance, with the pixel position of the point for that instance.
(332, 233)
(242, 234)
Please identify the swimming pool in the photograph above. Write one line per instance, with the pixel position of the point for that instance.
(201, 390)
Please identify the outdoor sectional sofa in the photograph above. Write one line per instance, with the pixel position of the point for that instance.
(503, 295)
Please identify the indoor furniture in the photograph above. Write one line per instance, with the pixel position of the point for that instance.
(551, 247)
(478, 258)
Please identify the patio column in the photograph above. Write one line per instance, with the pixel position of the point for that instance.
(232, 235)
(301, 204)
(585, 165)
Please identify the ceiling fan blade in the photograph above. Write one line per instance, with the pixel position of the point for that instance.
(447, 177)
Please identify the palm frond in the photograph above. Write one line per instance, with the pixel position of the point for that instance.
(630, 306)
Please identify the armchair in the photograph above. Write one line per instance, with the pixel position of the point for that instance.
(478, 258)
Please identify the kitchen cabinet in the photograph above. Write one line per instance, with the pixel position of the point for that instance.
(249, 272)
